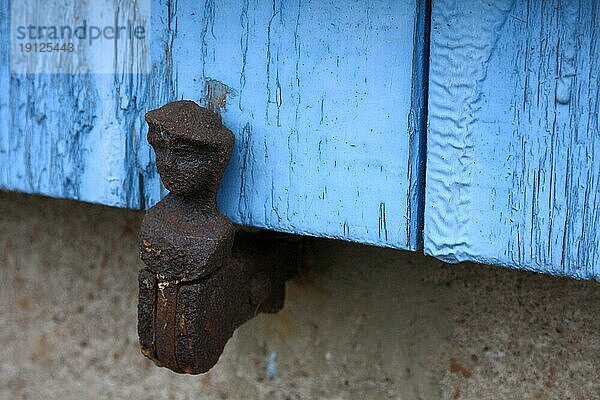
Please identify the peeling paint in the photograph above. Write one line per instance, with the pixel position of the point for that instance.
(459, 64)
(513, 145)
(216, 95)
(314, 136)
(321, 115)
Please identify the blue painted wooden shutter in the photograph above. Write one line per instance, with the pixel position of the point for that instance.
(328, 101)
(323, 97)
(513, 146)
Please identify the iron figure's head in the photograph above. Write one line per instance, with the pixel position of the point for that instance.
(192, 147)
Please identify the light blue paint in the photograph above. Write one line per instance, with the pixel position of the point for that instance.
(272, 366)
(4, 87)
(328, 102)
(73, 136)
(513, 147)
(323, 98)
(320, 112)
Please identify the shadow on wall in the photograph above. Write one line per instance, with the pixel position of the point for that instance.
(359, 323)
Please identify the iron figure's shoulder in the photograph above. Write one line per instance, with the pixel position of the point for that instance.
(184, 243)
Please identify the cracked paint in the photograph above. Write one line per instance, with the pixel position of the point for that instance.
(513, 152)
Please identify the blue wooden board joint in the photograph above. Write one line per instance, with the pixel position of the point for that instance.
(466, 129)
(417, 123)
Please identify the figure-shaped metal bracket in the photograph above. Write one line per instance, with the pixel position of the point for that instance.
(192, 293)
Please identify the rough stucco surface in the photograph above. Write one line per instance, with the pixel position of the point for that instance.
(359, 323)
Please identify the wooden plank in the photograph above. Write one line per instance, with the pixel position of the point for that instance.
(319, 96)
(323, 98)
(75, 134)
(4, 85)
(513, 158)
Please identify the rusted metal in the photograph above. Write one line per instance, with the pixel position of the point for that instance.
(193, 293)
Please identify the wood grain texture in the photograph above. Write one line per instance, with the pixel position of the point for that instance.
(324, 99)
(4, 86)
(319, 96)
(513, 158)
(76, 135)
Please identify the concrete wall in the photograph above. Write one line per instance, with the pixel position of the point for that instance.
(359, 323)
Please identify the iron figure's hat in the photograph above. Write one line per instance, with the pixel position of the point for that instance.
(187, 121)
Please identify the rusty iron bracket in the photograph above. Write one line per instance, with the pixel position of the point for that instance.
(193, 292)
